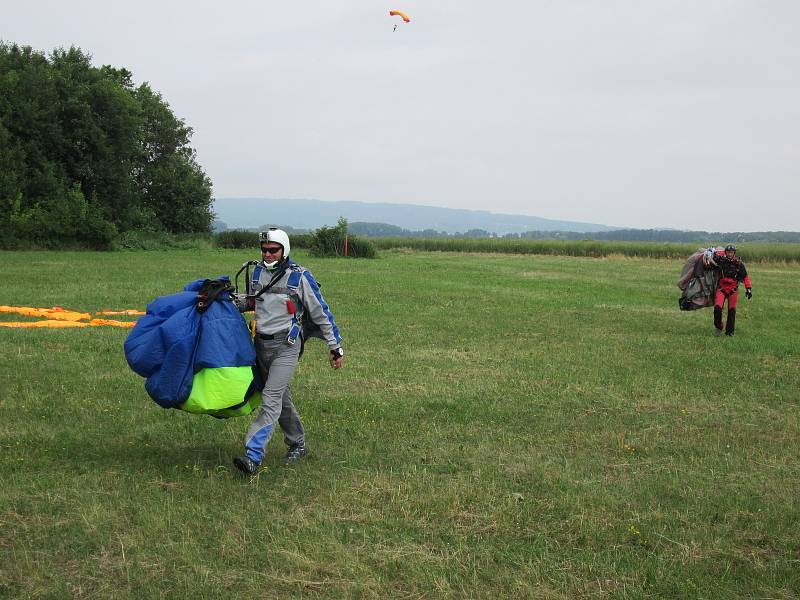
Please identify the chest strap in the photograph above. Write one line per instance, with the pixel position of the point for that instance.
(290, 289)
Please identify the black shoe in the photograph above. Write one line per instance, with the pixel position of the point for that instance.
(246, 465)
(296, 452)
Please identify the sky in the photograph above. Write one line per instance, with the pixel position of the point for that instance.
(659, 114)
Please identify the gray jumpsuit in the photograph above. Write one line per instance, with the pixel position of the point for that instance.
(277, 358)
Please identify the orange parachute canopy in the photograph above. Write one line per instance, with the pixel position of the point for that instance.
(56, 313)
(63, 324)
(111, 322)
(397, 13)
(47, 323)
(58, 317)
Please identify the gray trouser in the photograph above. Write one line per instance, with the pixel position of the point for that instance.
(277, 362)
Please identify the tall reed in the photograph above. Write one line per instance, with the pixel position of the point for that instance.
(750, 252)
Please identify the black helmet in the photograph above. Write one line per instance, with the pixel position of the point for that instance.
(730, 247)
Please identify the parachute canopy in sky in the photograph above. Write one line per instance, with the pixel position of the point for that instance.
(397, 13)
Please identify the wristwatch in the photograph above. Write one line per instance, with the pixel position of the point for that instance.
(337, 352)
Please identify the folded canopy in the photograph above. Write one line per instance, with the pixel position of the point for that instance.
(200, 360)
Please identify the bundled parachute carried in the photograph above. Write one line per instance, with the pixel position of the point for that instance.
(196, 352)
(699, 278)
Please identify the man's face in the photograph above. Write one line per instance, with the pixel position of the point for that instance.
(730, 253)
(271, 252)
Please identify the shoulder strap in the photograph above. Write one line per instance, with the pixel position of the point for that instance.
(293, 282)
(256, 274)
(275, 278)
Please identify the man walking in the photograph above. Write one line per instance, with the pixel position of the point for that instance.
(731, 272)
(287, 301)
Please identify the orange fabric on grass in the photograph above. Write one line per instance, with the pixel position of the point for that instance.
(48, 323)
(56, 313)
(112, 322)
(57, 317)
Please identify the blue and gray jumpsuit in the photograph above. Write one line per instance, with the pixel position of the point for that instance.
(291, 302)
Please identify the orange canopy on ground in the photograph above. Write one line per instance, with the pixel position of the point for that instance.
(56, 312)
(57, 317)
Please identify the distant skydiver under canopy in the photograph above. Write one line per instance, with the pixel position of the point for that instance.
(402, 15)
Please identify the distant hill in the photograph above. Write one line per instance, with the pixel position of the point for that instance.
(312, 214)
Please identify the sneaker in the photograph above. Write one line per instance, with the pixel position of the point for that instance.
(296, 452)
(246, 465)
(729, 334)
(717, 332)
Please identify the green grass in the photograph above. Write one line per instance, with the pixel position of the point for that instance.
(504, 426)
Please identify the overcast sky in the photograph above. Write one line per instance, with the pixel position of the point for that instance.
(671, 113)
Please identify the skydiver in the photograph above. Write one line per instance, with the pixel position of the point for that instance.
(287, 297)
(731, 272)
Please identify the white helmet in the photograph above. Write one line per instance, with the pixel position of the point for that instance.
(277, 236)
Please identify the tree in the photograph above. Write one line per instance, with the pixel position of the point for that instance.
(330, 241)
(85, 155)
(175, 190)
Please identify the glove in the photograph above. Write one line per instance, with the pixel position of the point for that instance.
(749, 293)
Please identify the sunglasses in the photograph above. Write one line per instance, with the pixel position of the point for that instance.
(273, 250)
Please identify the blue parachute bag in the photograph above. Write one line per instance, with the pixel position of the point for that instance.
(199, 361)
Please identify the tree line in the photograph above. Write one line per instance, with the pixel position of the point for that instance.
(617, 235)
(85, 155)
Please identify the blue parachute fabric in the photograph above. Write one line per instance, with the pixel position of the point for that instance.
(173, 341)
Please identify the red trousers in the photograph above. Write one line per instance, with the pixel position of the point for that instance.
(733, 299)
(727, 289)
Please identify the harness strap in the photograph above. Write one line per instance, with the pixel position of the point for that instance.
(210, 291)
(292, 285)
(272, 281)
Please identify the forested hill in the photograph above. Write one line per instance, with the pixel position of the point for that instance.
(312, 214)
(408, 220)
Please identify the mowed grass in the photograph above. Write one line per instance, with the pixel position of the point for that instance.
(504, 426)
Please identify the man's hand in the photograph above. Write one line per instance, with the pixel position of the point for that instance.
(749, 293)
(336, 358)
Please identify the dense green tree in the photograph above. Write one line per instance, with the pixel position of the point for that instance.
(85, 155)
(332, 241)
(176, 192)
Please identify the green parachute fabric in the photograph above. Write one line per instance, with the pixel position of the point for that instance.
(213, 389)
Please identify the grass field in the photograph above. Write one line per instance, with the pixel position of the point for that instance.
(505, 426)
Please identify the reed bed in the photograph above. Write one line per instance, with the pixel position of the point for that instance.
(786, 253)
